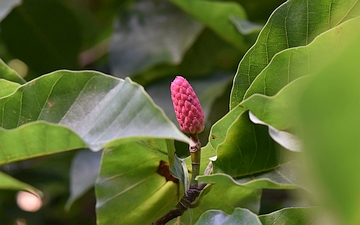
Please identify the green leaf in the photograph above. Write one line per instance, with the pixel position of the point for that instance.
(285, 176)
(289, 216)
(246, 147)
(130, 186)
(10, 183)
(277, 110)
(329, 126)
(216, 16)
(9, 74)
(52, 37)
(102, 110)
(83, 174)
(227, 201)
(151, 33)
(295, 23)
(7, 87)
(36, 139)
(239, 216)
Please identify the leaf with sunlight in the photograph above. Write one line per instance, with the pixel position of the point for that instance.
(100, 109)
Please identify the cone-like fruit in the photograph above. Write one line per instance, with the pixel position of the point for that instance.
(187, 106)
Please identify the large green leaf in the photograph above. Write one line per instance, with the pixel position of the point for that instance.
(133, 186)
(289, 216)
(43, 34)
(246, 147)
(216, 16)
(102, 110)
(293, 63)
(10, 183)
(329, 121)
(151, 33)
(239, 216)
(285, 176)
(295, 23)
(225, 197)
(36, 139)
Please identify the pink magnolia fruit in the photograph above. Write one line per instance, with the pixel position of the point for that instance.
(187, 106)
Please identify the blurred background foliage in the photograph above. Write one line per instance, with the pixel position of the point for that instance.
(150, 41)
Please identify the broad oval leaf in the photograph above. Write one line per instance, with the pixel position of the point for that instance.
(286, 176)
(102, 110)
(295, 23)
(135, 185)
(246, 147)
(239, 216)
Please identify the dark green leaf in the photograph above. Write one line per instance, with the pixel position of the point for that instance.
(295, 23)
(43, 34)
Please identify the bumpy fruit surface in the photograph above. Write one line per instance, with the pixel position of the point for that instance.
(187, 106)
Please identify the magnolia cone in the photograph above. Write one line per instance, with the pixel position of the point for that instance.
(187, 106)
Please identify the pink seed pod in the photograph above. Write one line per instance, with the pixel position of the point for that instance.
(187, 106)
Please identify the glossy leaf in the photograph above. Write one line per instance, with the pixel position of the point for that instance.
(9, 74)
(295, 23)
(151, 33)
(36, 139)
(246, 148)
(43, 34)
(216, 16)
(289, 216)
(228, 200)
(329, 121)
(133, 186)
(10, 183)
(285, 176)
(239, 216)
(102, 110)
(7, 87)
